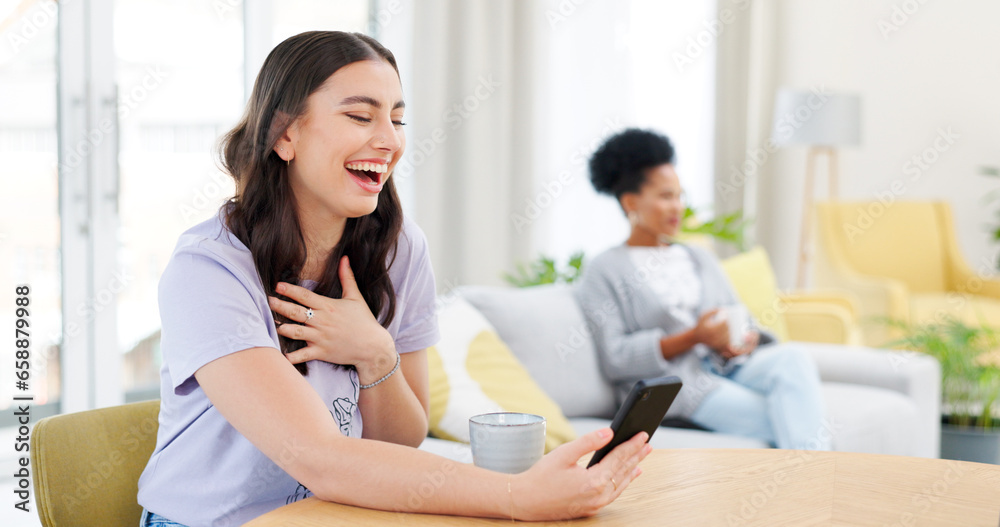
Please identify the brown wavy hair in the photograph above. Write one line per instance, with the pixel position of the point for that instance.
(262, 214)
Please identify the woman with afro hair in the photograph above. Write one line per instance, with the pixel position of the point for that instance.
(654, 307)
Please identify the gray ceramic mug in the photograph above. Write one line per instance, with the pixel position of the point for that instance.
(507, 442)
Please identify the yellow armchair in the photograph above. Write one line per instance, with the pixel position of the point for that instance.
(815, 316)
(87, 464)
(902, 261)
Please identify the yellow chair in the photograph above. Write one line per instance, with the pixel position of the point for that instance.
(815, 316)
(87, 465)
(903, 262)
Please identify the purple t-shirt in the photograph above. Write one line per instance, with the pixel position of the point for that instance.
(203, 471)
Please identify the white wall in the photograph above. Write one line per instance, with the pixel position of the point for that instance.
(935, 68)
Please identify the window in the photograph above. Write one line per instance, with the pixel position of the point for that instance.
(174, 102)
(624, 53)
(29, 204)
(161, 80)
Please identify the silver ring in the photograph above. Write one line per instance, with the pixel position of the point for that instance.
(309, 314)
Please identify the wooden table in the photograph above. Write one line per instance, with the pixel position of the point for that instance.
(751, 487)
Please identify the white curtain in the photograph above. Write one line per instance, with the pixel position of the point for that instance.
(472, 144)
(508, 100)
(744, 102)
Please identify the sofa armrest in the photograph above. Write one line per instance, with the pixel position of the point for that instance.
(968, 282)
(915, 375)
(822, 316)
(963, 278)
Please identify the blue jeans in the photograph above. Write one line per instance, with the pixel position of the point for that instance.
(150, 519)
(774, 396)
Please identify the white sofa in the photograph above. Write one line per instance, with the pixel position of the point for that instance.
(878, 401)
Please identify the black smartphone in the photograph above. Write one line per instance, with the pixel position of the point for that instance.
(642, 411)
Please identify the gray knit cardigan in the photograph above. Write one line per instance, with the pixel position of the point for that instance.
(627, 321)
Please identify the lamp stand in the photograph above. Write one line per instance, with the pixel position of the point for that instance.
(812, 158)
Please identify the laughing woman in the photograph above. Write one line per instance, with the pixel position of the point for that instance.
(652, 305)
(295, 323)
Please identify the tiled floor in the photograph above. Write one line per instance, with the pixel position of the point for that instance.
(9, 516)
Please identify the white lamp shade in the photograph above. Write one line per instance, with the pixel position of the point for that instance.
(816, 118)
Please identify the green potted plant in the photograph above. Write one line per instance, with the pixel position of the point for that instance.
(990, 198)
(970, 384)
(727, 228)
(544, 270)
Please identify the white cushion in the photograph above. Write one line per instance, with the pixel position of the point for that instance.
(544, 327)
(666, 437)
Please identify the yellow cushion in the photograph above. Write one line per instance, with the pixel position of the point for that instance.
(754, 282)
(473, 372)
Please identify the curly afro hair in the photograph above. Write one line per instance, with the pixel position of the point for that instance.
(619, 165)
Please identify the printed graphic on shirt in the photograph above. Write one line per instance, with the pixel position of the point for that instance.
(301, 493)
(343, 408)
(343, 412)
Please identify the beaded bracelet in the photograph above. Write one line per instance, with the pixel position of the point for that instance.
(394, 368)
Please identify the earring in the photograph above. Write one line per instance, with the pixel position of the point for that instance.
(633, 218)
